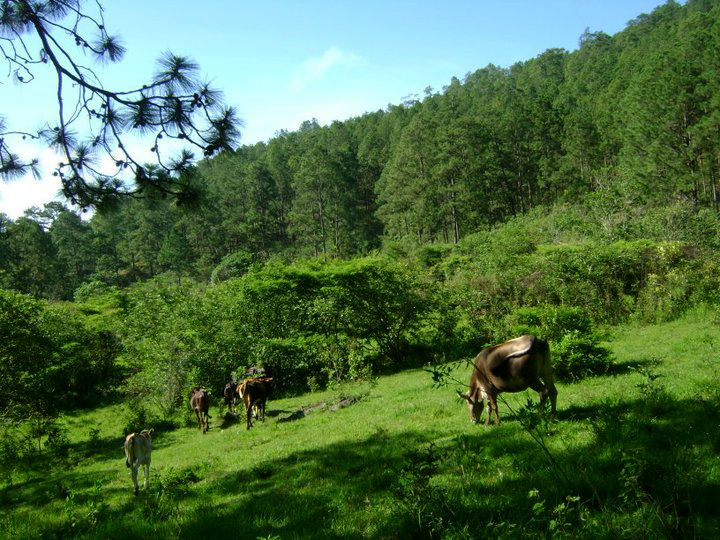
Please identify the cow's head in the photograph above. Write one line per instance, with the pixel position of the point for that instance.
(475, 402)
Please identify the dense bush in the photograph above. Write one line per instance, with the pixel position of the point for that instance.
(307, 324)
(296, 365)
(575, 345)
(576, 356)
(233, 265)
(49, 357)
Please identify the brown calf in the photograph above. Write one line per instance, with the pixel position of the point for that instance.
(254, 393)
(138, 447)
(230, 394)
(200, 403)
(512, 366)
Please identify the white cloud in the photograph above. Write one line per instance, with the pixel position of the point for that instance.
(313, 69)
(18, 195)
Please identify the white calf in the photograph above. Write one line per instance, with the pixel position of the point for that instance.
(137, 452)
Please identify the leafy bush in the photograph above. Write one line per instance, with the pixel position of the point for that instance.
(234, 265)
(50, 357)
(424, 504)
(575, 348)
(549, 322)
(295, 364)
(577, 356)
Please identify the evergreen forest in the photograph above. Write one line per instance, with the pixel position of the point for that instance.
(564, 196)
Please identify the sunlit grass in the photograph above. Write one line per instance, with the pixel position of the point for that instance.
(637, 447)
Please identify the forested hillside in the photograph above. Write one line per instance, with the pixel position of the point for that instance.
(573, 196)
(626, 126)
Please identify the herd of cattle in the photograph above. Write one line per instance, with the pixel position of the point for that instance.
(252, 392)
(513, 366)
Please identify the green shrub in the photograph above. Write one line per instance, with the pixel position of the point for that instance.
(135, 418)
(292, 363)
(234, 265)
(574, 345)
(51, 347)
(577, 356)
(548, 322)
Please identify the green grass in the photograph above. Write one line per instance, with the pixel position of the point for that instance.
(634, 454)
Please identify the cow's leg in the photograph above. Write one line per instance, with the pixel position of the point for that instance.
(134, 470)
(545, 390)
(542, 391)
(547, 377)
(552, 392)
(147, 472)
(492, 406)
(248, 415)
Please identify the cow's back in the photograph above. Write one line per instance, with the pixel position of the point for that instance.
(138, 447)
(514, 365)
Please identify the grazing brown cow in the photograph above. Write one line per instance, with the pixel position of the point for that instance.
(231, 395)
(200, 403)
(512, 366)
(254, 393)
(137, 452)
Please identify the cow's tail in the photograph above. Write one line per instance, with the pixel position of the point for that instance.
(129, 446)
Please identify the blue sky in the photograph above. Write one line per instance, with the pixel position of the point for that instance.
(282, 62)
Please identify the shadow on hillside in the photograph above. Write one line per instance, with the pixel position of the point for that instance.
(630, 366)
(664, 449)
(231, 419)
(649, 450)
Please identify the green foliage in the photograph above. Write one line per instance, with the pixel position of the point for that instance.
(308, 325)
(231, 266)
(576, 356)
(549, 322)
(425, 504)
(296, 364)
(50, 358)
(575, 347)
(84, 510)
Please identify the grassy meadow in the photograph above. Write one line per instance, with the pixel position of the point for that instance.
(634, 454)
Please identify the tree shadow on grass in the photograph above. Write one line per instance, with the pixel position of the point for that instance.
(630, 366)
(658, 446)
(648, 451)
